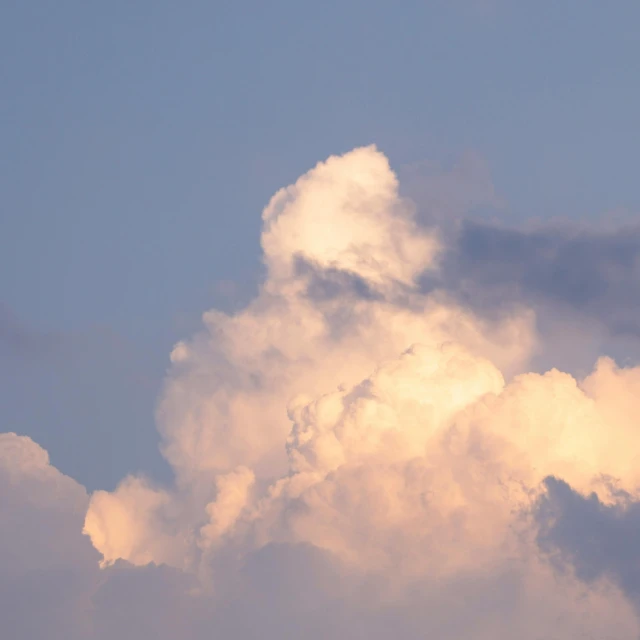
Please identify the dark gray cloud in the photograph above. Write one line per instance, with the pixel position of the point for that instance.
(328, 284)
(599, 540)
(594, 273)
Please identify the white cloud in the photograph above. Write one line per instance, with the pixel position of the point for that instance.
(346, 214)
(345, 444)
(226, 399)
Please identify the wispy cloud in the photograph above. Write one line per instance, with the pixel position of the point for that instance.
(17, 339)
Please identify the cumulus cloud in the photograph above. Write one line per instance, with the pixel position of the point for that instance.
(355, 455)
(345, 214)
(46, 562)
(226, 399)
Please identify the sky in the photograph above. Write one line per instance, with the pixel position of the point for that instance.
(319, 320)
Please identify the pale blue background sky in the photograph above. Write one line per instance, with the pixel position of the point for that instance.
(140, 141)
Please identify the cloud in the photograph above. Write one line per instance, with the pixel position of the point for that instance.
(355, 455)
(226, 398)
(345, 214)
(16, 339)
(55, 502)
(46, 563)
(593, 272)
(595, 537)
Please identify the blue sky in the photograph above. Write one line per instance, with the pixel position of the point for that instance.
(140, 142)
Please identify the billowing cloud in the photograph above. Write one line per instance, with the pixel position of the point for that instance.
(226, 401)
(47, 564)
(345, 214)
(354, 456)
